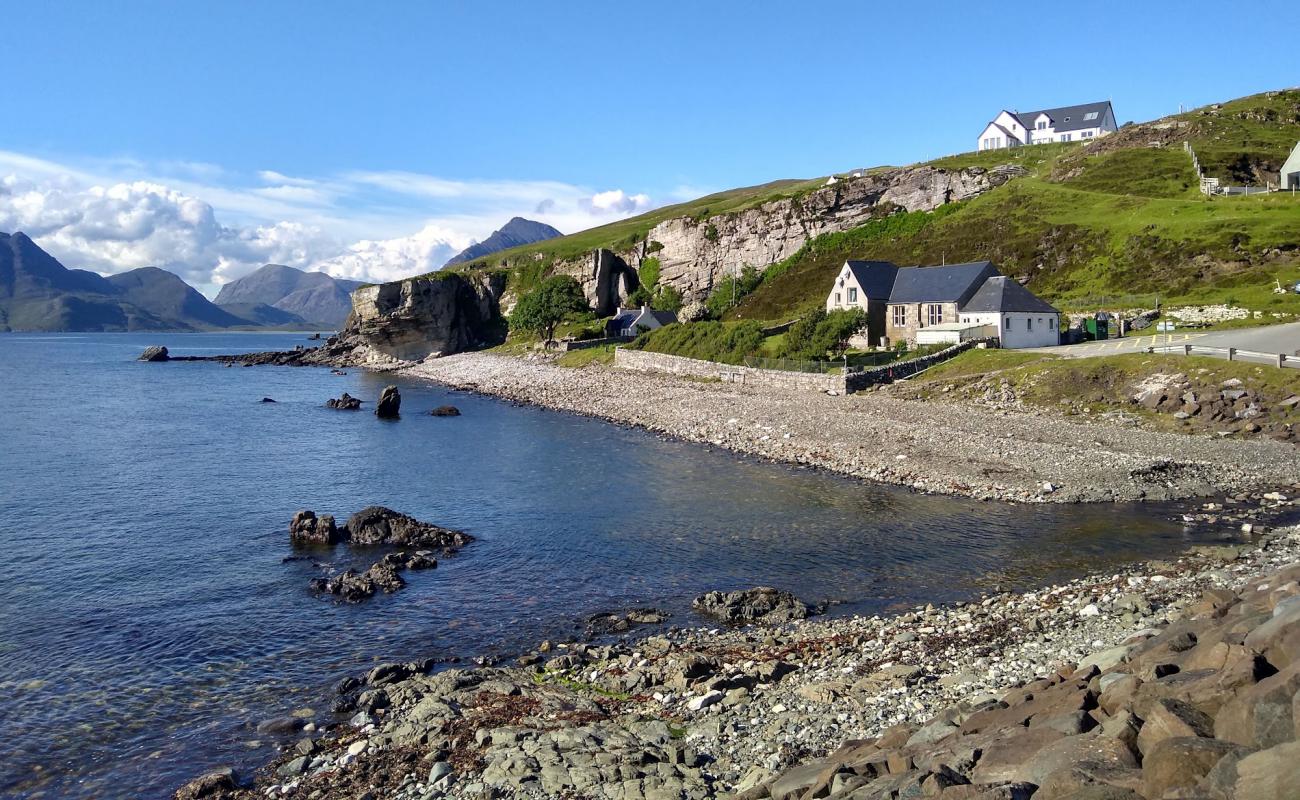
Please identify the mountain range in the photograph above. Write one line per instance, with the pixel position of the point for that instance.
(312, 296)
(37, 293)
(516, 232)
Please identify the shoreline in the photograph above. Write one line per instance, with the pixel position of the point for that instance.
(703, 712)
(933, 447)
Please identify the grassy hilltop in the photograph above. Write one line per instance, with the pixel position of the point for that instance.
(1121, 216)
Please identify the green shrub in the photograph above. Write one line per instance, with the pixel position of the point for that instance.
(821, 335)
(649, 273)
(731, 290)
(727, 342)
(553, 301)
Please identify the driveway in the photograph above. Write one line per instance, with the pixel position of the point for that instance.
(1271, 339)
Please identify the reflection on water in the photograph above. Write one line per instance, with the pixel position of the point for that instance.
(148, 620)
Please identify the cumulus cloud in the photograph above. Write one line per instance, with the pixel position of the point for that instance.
(112, 216)
(616, 201)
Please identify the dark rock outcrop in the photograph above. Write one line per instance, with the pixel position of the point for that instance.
(377, 525)
(390, 403)
(154, 353)
(307, 528)
(210, 786)
(445, 411)
(354, 586)
(346, 402)
(763, 604)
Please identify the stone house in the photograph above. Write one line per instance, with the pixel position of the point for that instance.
(949, 303)
(1079, 123)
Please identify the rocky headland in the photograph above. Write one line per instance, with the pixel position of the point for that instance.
(1169, 679)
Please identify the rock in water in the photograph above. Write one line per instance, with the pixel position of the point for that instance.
(355, 586)
(268, 399)
(763, 604)
(307, 528)
(212, 785)
(347, 402)
(446, 411)
(390, 402)
(378, 525)
(154, 353)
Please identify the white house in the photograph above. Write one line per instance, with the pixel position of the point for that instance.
(635, 321)
(1066, 124)
(1289, 177)
(1019, 316)
(944, 304)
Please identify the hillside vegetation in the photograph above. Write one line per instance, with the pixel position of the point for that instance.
(1116, 218)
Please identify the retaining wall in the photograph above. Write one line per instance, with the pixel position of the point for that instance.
(642, 361)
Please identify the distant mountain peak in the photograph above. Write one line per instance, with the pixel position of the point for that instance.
(316, 297)
(514, 233)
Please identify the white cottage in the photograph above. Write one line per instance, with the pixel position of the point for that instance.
(1289, 178)
(1065, 124)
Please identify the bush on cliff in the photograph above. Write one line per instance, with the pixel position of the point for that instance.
(553, 301)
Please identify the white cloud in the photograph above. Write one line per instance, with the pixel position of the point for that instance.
(616, 201)
(210, 226)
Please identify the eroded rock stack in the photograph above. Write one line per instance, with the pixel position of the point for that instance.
(390, 403)
(154, 353)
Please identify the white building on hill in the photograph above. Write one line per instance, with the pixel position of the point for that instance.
(1066, 124)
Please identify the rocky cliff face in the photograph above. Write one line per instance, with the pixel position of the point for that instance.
(417, 317)
(696, 254)
(420, 317)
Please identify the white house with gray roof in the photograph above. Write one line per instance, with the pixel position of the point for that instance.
(944, 304)
(1289, 176)
(1079, 123)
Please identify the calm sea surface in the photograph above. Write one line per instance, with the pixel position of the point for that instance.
(149, 621)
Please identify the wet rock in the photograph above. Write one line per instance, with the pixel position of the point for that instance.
(376, 525)
(280, 726)
(218, 783)
(268, 400)
(762, 604)
(344, 402)
(154, 353)
(419, 559)
(354, 586)
(445, 411)
(309, 529)
(390, 403)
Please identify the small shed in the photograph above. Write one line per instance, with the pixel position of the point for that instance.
(954, 333)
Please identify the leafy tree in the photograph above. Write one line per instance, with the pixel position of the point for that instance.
(668, 299)
(545, 307)
(729, 291)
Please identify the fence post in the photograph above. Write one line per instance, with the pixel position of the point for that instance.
(1187, 349)
(1232, 353)
(1281, 359)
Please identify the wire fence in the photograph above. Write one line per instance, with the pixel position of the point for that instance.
(794, 365)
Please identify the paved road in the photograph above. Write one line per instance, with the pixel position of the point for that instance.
(1265, 339)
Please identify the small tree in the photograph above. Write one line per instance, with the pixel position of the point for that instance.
(546, 306)
(820, 334)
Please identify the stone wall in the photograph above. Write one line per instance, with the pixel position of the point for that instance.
(642, 361)
(857, 381)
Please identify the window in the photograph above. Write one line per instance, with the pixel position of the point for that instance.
(837, 298)
(1090, 115)
(853, 295)
(934, 314)
(1042, 124)
(1008, 323)
(1029, 324)
(900, 316)
(1065, 137)
(1086, 135)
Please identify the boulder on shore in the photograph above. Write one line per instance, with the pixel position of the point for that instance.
(390, 403)
(215, 784)
(445, 411)
(155, 353)
(346, 402)
(307, 528)
(762, 604)
(377, 525)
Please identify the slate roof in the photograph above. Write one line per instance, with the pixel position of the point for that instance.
(876, 278)
(953, 283)
(663, 317)
(1067, 118)
(1001, 294)
(624, 320)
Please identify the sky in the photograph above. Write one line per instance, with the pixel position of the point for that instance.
(374, 140)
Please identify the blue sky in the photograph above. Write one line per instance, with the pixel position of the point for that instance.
(376, 138)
